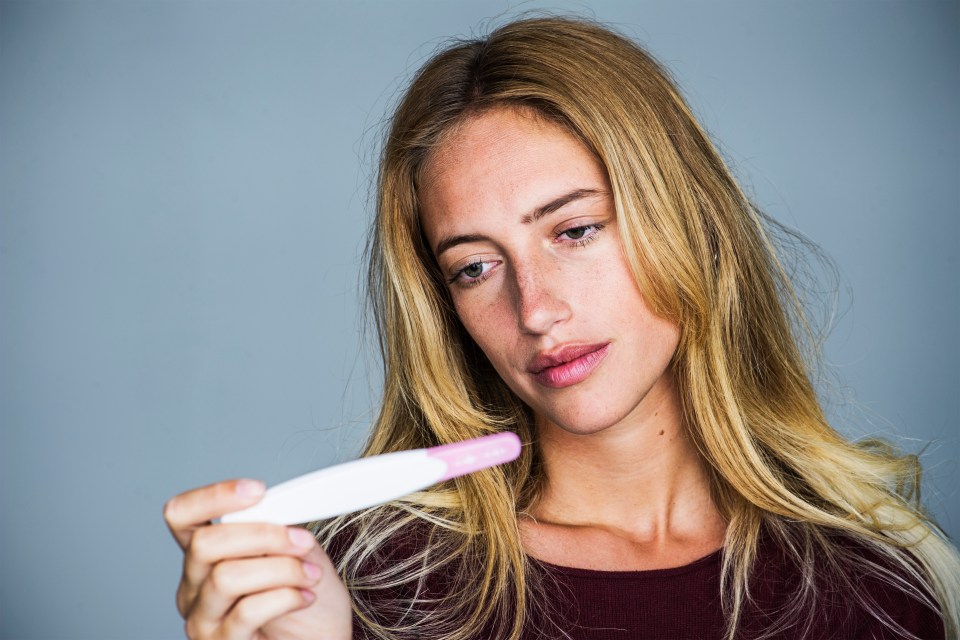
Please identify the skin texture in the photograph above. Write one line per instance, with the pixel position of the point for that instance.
(521, 221)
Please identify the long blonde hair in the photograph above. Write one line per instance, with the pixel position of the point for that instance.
(702, 258)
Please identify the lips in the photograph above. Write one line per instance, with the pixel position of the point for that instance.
(567, 366)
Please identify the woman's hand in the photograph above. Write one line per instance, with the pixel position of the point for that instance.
(252, 581)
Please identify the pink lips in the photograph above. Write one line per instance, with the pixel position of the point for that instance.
(568, 366)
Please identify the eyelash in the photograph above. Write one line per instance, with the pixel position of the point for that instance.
(578, 242)
(455, 279)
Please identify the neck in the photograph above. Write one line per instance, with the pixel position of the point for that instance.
(641, 478)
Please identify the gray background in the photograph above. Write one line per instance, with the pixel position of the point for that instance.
(183, 191)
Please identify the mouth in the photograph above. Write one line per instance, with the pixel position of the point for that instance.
(568, 366)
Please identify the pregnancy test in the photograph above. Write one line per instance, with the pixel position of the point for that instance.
(367, 482)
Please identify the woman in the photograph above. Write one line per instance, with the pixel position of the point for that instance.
(560, 251)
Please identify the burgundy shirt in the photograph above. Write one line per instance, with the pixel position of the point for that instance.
(684, 603)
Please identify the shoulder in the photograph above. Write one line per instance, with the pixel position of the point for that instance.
(841, 588)
(897, 602)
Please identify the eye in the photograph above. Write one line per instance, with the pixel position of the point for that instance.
(473, 273)
(580, 235)
(474, 270)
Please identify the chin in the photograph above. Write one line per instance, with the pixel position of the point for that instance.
(585, 421)
(580, 429)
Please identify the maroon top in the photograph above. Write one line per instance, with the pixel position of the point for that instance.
(684, 602)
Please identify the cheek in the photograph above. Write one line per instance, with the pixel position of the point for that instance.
(666, 337)
(488, 325)
(657, 337)
(627, 312)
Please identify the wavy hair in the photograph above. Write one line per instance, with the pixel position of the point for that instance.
(702, 256)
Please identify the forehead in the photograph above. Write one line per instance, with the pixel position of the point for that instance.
(506, 160)
(489, 132)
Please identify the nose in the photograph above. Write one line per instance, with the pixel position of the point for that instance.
(541, 297)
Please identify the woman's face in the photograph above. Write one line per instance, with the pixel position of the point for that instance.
(520, 218)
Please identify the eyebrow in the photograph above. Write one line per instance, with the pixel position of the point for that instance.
(541, 211)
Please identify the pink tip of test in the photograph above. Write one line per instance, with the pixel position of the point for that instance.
(480, 453)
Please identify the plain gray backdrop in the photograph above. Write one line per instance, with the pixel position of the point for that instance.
(183, 203)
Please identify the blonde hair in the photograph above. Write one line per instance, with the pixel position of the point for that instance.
(702, 258)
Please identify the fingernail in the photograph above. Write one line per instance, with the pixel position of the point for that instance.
(311, 570)
(300, 537)
(249, 488)
(308, 595)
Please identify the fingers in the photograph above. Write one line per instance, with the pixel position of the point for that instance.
(191, 509)
(238, 577)
(250, 614)
(231, 581)
(214, 543)
(254, 611)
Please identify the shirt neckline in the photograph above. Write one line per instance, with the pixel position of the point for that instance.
(698, 564)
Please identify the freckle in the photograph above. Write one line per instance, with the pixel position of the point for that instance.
(661, 431)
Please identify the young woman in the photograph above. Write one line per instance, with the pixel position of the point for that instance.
(560, 251)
